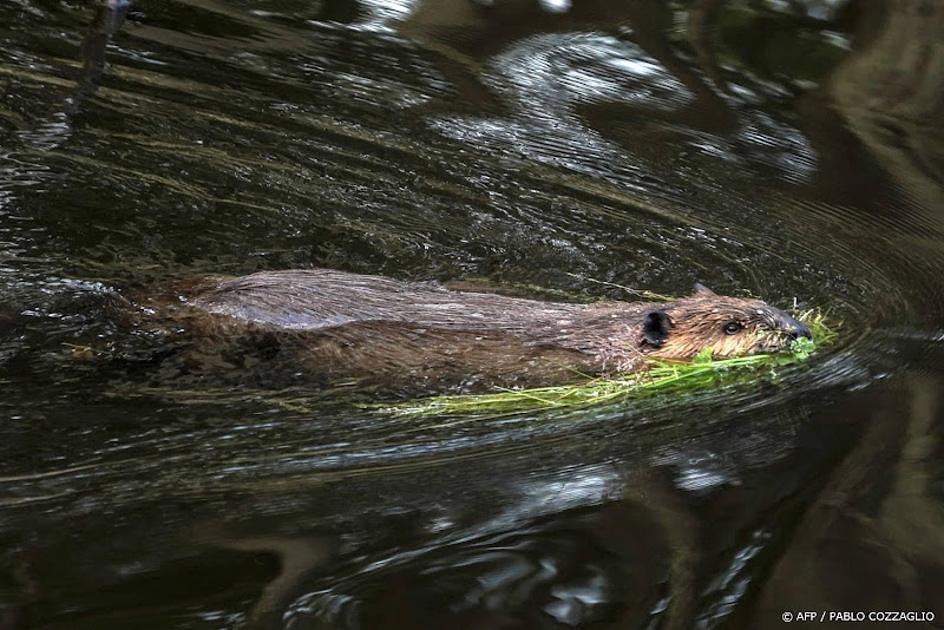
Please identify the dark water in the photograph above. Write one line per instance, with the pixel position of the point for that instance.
(790, 150)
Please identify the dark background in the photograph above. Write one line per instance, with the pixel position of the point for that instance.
(789, 149)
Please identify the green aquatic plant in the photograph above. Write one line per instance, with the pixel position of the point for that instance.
(659, 377)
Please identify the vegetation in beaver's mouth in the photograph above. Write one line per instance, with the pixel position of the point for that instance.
(661, 377)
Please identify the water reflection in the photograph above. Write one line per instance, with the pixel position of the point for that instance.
(788, 149)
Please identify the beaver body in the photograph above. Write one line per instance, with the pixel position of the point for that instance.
(356, 325)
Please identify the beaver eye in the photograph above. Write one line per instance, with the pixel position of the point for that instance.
(732, 327)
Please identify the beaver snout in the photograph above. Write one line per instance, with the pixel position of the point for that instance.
(794, 328)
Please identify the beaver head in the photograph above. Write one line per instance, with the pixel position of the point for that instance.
(730, 326)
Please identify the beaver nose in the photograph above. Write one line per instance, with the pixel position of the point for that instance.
(796, 329)
(802, 331)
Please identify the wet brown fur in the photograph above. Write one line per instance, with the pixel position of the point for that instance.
(344, 324)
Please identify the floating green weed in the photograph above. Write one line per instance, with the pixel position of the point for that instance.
(660, 377)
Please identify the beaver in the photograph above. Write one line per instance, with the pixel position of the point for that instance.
(347, 324)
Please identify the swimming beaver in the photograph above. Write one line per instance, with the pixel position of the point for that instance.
(348, 324)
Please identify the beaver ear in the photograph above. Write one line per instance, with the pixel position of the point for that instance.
(701, 289)
(655, 327)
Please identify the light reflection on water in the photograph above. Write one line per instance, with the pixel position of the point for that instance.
(783, 149)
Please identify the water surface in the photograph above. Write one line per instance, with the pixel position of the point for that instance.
(788, 150)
